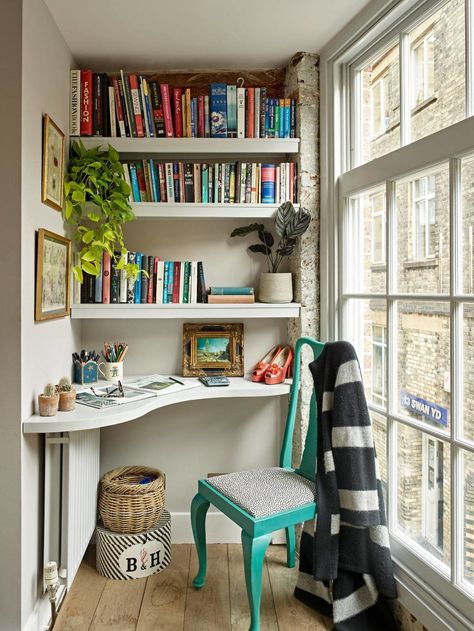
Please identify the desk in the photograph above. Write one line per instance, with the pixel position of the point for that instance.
(72, 462)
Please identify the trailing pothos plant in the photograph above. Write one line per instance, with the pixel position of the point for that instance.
(96, 204)
(289, 225)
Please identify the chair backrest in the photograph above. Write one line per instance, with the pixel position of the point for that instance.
(308, 461)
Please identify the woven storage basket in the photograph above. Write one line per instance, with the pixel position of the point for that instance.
(126, 506)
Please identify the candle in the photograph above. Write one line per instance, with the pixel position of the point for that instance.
(50, 573)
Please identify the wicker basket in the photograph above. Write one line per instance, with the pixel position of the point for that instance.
(125, 505)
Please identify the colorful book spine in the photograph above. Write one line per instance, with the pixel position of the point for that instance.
(157, 109)
(268, 179)
(231, 111)
(176, 282)
(250, 114)
(205, 183)
(201, 289)
(98, 282)
(123, 102)
(132, 256)
(207, 118)
(151, 279)
(106, 268)
(137, 112)
(112, 118)
(168, 121)
(145, 280)
(292, 118)
(178, 117)
(160, 271)
(75, 104)
(218, 107)
(201, 118)
(240, 112)
(147, 106)
(169, 183)
(169, 287)
(256, 115)
(86, 103)
(263, 112)
(123, 280)
(232, 291)
(115, 280)
(138, 282)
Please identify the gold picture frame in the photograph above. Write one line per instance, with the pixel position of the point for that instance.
(213, 348)
(53, 273)
(52, 187)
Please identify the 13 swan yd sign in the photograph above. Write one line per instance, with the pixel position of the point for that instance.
(429, 410)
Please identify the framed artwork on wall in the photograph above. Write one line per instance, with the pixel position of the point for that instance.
(53, 164)
(213, 349)
(53, 272)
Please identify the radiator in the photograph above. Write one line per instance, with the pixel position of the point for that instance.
(80, 477)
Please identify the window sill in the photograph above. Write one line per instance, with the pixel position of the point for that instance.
(419, 107)
(421, 263)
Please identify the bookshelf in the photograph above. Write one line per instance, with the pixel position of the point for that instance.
(164, 210)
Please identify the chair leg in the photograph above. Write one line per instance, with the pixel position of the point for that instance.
(290, 546)
(254, 553)
(199, 507)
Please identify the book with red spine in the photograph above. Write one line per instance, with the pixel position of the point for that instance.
(250, 122)
(118, 106)
(141, 181)
(201, 118)
(106, 265)
(181, 181)
(165, 98)
(137, 112)
(150, 293)
(162, 181)
(178, 116)
(188, 113)
(155, 278)
(86, 102)
(176, 278)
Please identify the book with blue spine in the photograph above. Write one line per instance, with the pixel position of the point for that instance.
(138, 282)
(169, 286)
(165, 282)
(287, 118)
(194, 117)
(231, 291)
(130, 281)
(218, 107)
(205, 183)
(155, 186)
(231, 111)
(98, 283)
(268, 183)
(134, 181)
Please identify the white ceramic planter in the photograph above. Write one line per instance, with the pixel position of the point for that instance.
(276, 288)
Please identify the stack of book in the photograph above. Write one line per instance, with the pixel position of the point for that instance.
(226, 183)
(177, 282)
(136, 106)
(229, 295)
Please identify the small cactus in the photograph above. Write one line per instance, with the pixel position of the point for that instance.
(64, 385)
(49, 390)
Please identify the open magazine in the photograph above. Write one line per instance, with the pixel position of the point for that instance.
(134, 390)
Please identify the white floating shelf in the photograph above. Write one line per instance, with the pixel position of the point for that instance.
(184, 311)
(84, 418)
(164, 210)
(196, 146)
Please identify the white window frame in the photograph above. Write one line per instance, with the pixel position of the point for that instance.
(445, 601)
(381, 397)
(375, 214)
(426, 94)
(425, 200)
(381, 125)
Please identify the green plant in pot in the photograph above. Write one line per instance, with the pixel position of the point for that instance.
(48, 401)
(67, 395)
(97, 205)
(290, 224)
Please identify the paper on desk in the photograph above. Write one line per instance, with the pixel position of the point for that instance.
(159, 384)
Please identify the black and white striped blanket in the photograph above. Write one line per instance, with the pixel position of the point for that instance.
(345, 563)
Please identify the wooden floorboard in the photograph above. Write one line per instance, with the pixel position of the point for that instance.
(167, 601)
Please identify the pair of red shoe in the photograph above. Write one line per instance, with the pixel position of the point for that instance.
(275, 366)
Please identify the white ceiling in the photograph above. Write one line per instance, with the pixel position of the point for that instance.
(197, 34)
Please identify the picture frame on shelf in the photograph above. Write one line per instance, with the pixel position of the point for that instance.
(213, 348)
(52, 187)
(53, 273)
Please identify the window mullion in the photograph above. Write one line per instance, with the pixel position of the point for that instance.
(405, 96)
(469, 40)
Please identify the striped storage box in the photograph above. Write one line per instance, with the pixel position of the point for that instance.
(124, 557)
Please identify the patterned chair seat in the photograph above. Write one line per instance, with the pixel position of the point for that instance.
(263, 492)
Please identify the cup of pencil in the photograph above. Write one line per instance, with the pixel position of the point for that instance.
(112, 368)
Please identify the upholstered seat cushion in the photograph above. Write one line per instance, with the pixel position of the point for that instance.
(263, 492)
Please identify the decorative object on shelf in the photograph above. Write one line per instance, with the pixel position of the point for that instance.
(289, 225)
(85, 366)
(280, 367)
(97, 206)
(131, 499)
(111, 371)
(48, 401)
(126, 557)
(53, 265)
(67, 395)
(53, 164)
(258, 373)
(213, 349)
(113, 365)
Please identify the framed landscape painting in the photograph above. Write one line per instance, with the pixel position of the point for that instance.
(213, 349)
(53, 265)
(53, 164)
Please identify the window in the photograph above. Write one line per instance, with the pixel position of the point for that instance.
(423, 69)
(379, 114)
(379, 346)
(377, 203)
(423, 195)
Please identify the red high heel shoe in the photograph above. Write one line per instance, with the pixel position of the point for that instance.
(280, 366)
(258, 373)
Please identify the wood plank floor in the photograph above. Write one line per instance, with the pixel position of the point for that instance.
(168, 602)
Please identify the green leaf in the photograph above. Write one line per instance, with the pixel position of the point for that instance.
(93, 217)
(113, 154)
(258, 247)
(90, 269)
(298, 224)
(68, 209)
(110, 235)
(120, 263)
(78, 275)
(282, 218)
(266, 237)
(88, 255)
(245, 230)
(88, 236)
(286, 250)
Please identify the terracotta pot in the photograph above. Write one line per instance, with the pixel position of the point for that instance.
(275, 287)
(48, 406)
(67, 401)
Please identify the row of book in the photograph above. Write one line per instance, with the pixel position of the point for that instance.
(231, 295)
(164, 282)
(135, 106)
(225, 183)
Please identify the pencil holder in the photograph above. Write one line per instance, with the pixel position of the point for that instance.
(85, 373)
(111, 371)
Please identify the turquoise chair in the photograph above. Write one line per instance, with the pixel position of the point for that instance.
(263, 501)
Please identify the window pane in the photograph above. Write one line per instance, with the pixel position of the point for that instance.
(379, 428)
(365, 242)
(423, 493)
(467, 197)
(468, 506)
(468, 372)
(423, 232)
(437, 70)
(365, 327)
(424, 362)
(380, 108)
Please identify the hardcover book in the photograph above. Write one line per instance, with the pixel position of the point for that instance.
(240, 112)
(106, 278)
(165, 97)
(218, 107)
(231, 111)
(178, 117)
(86, 103)
(157, 107)
(75, 104)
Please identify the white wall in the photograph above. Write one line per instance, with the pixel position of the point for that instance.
(46, 346)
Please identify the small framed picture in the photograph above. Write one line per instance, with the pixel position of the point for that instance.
(213, 349)
(53, 164)
(53, 267)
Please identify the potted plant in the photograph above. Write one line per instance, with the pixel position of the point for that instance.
(67, 395)
(48, 401)
(97, 205)
(290, 224)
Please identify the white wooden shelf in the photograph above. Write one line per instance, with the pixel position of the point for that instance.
(196, 146)
(84, 417)
(184, 311)
(164, 210)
